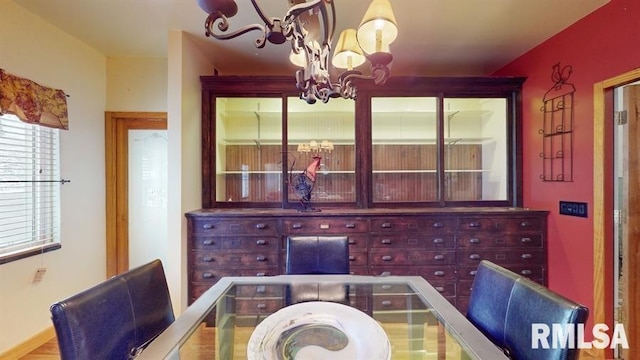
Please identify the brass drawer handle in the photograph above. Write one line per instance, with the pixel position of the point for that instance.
(261, 242)
(351, 241)
(526, 256)
(474, 240)
(261, 258)
(474, 257)
(350, 226)
(387, 258)
(439, 273)
(386, 241)
(386, 303)
(439, 288)
(525, 224)
(386, 225)
(207, 275)
(261, 306)
(207, 259)
(261, 226)
(438, 224)
(525, 240)
(386, 287)
(260, 274)
(352, 258)
(208, 226)
(526, 272)
(207, 242)
(474, 224)
(472, 272)
(297, 226)
(261, 289)
(438, 241)
(439, 257)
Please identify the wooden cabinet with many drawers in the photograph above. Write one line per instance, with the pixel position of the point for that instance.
(442, 245)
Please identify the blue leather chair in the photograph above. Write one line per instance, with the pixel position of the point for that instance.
(317, 255)
(116, 318)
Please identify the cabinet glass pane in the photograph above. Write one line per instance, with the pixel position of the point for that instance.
(328, 131)
(404, 150)
(475, 132)
(248, 149)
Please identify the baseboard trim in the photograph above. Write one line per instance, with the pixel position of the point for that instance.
(29, 345)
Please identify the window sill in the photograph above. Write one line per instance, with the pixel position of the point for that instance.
(29, 252)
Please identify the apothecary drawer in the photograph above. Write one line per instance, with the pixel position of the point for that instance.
(234, 260)
(325, 226)
(418, 224)
(428, 272)
(379, 256)
(234, 243)
(213, 275)
(503, 256)
(488, 239)
(534, 272)
(397, 302)
(412, 240)
(500, 224)
(233, 226)
(258, 306)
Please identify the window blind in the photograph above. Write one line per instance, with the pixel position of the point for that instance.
(29, 187)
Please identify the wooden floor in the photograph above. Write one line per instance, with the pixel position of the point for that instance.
(48, 351)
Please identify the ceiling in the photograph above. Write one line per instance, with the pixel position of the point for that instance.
(436, 37)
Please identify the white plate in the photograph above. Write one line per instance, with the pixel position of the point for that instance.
(318, 330)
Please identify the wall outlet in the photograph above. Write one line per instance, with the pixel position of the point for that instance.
(39, 274)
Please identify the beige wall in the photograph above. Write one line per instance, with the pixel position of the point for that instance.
(35, 50)
(137, 84)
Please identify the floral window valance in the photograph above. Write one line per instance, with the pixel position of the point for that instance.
(32, 102)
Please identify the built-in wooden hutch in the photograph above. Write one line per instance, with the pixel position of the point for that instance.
(422, 174)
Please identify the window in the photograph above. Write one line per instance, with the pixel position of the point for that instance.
(29, 189)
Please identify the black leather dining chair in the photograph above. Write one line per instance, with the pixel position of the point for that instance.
(308, 255)
(115, 319)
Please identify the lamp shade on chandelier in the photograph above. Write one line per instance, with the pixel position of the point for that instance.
(309, 26)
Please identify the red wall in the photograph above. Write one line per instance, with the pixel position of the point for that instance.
(602, 45)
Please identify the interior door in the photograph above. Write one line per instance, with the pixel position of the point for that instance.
(136, 175)
(628, 216)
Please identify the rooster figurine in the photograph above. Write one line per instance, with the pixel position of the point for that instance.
(303, 183)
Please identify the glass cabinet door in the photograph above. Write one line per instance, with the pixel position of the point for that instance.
(325, 131)
(248, 149)
(404, 150)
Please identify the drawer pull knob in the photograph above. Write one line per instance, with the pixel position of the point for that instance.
(261, 289)
(525, 224)
(439, 273)
(207, 242)
(474, 240)
(472, 272)
(260, 274)
(438, 241)
(351, 241)
(439, 257)
(526, 272)
(261, 226)
(261, 258)
(261, 242)
(207, 275)
(525, 240)
(526, 256)
(386, 241)
(387, 258)
(208, 226)
(474, 257)
(352, 258)
(297, 226)
(386, 287)
(386, 302)
(261, 306)
(386, 225)
(438, 224)
(208, 259)
(474, 224)
(350, 226)
(439, 288)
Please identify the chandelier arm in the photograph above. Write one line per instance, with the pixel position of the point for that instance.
(224, 26)
(268, 22)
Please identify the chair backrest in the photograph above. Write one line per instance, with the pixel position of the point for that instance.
(504, 305)
(532, 303)
(317, 255)
(490, 294)
(115, 318)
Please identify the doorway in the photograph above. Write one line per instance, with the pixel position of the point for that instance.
(616, 166)
(136, 183)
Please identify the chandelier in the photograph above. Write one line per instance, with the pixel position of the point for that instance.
(309, 27)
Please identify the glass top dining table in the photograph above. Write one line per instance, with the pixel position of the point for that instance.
(239, 316)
